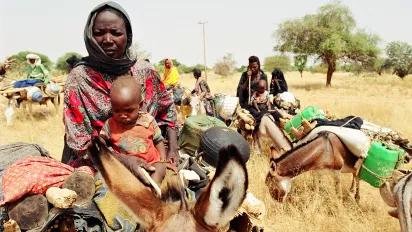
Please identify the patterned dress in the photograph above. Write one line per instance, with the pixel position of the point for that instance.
(87, 105)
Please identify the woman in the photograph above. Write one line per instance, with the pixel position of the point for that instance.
(278, 84)
(171, 75)
(250, 78)
(108, 35)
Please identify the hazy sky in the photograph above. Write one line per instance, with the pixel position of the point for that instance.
(171, 29)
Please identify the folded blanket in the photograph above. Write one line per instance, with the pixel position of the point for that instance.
(355, 140)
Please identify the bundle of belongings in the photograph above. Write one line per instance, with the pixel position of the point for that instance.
(35, 184)
(287, 101)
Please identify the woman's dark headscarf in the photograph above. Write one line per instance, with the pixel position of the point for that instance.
(97, 59)
(278, 83)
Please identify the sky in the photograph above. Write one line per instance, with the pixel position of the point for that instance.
(171, 29)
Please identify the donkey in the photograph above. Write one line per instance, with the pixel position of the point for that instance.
(215, 207)
(400, 197)
(197, 106)
(324, 152)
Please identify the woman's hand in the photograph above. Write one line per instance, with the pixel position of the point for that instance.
(249, 73)
(134, 164)
(173, 147)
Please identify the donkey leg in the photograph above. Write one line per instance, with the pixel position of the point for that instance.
(257, 144)
(31, 111)
(357, 193)
(338, 184)
(316, 181)
(56, 105)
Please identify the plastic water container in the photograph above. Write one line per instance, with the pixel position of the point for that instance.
(380, 163)
(34, 94)
(308, 113)
(52, 90)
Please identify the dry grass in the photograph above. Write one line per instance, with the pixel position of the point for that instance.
(383, 100)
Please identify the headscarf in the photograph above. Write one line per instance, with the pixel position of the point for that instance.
(97, 59)
(171, 76)
(33, 57)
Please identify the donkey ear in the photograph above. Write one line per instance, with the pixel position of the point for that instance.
(222, 198)
(125, 186)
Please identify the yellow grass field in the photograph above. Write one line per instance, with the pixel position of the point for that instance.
(385, 100)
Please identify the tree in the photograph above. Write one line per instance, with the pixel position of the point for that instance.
(225, 66)
(137, 51)
(20, 63)
(61, 62)
(281, 62)
(300, 63)
(241, 69)
(399, 57)
(329, 36)
(380, 64)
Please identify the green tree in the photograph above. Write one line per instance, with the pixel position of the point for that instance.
(300, 63)
(281, 62)
(328, 36)
(20, 63)
(399, 58)
(225, 66)
(380, 64)
(241, 69)
(61, 62)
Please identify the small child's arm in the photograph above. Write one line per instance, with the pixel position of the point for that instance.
(255, 105)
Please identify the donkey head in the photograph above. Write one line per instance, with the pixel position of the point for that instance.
(279, 186)
(195, 105)
(215, 207)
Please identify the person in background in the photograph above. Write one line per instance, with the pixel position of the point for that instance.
(6, 64)
(72, 62)
(36, 73)
(250, 77)
(203, 91)
(278, 84)
(171, 75)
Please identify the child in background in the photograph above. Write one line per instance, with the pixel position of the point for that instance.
(261, 97)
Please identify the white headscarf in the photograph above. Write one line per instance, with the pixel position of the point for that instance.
(35, 57)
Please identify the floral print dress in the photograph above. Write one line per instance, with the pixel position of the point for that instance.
(87, 105)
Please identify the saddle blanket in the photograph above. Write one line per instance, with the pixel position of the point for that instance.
(355, 140)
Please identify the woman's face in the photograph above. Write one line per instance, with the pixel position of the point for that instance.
(168, 64)
(254, 67)
(109, 30)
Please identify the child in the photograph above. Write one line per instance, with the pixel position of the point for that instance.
(133, 132)
(261, 97)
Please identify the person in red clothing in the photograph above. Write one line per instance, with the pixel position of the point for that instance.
(131, 131)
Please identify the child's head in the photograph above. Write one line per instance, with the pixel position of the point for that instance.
(197, 73)
(261, 86)
(126, 100)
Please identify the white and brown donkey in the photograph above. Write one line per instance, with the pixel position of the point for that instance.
(214, 209)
